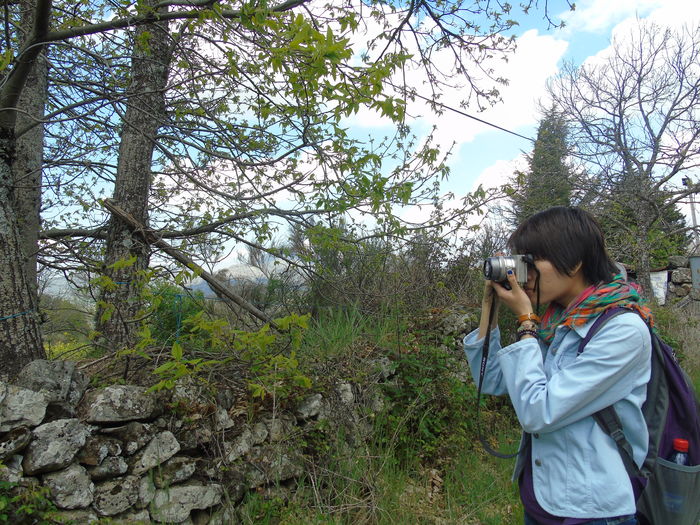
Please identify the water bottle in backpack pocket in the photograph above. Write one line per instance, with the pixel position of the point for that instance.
(672, 495)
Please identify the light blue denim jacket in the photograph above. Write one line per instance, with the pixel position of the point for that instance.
(577, 469)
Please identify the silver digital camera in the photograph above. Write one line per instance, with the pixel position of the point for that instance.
(495, 268)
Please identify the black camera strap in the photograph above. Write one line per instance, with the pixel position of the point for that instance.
(482, 372)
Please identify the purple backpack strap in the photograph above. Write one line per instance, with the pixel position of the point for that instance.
(602, 318)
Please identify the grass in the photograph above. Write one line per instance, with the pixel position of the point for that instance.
(681, 329)
(336, 331)
(425, 464)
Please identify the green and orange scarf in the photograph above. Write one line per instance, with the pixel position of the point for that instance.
(591, 303)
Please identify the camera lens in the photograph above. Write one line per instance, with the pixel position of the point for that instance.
(488, 269)
(495, 268)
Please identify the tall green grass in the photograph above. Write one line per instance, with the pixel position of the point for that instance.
(424, 463)
(340, 331)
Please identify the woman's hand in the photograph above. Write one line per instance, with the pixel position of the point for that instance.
(515, 299)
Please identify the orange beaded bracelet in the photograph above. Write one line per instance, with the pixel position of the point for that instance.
(528, 317)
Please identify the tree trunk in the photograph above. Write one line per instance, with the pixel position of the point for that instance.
(643, 264)
(20, 339)
(27, 166)
(119, 306)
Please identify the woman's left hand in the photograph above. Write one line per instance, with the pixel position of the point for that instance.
(515, 299)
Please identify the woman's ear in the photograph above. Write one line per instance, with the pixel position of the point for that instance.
(576, 269)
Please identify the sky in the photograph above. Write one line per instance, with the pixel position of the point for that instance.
(483, 155)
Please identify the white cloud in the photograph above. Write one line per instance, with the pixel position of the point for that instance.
(598, 16)
(498, 173)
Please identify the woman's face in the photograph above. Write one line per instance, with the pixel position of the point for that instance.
(554, 286)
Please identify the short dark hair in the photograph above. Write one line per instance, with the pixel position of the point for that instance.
(566, 236)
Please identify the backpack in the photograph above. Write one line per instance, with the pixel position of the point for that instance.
(666, 493)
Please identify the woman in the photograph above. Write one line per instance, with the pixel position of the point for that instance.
(569, 470)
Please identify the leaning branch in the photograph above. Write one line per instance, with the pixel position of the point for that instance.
(150, 237)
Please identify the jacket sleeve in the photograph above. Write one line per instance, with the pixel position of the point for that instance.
(473, 348)
(616, 361)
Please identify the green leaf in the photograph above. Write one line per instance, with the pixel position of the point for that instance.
(177, 351)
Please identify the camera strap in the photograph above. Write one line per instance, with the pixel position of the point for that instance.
(482, 372)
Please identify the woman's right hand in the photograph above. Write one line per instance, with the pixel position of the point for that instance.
(515, 299)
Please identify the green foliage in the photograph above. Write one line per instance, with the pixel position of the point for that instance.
(626, 238)
(548, 181)
(424, 465)
(169, 306)
(272, 372)
(66, 324)
(208, 344)
(24, 505)
(431, 409)
(339, 331)
(177, 367)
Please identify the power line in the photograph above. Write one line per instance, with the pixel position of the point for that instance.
(465, 114)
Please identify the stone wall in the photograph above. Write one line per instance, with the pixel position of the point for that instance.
(130, 456)
(680, 283)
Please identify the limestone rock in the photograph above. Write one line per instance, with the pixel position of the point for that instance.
(346, 394)
(60, 382)
(681, 275)
(175, 503)
(193, 437)
(54, 446)
(137, 517)
(78, 516)
(458, 322)
(14, 441)
(271, 465)
(678, 261)
(242, 444)
(226, 515)
(280, 427)
(259, 432)
(147, 491)
(20, 407)
(175, 470)
(133, 436)
(161, 448)
(116, 495)
(120, 403)
(386, 368)
(310, 407)
(97, 448)
(222, 421)
(71, 488)
(681, 290)
(11, 470)
(111, 467)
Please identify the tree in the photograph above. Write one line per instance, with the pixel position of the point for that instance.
(667, 236)
(127, 256)
(549, 179)
(247, 131)
(20, 338)
(634, 120)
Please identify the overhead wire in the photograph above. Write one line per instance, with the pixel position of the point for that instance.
(465, 114)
